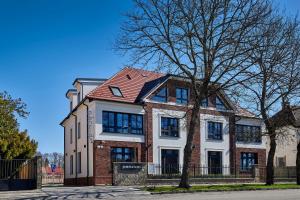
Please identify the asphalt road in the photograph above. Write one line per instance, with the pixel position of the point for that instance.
(130, 193)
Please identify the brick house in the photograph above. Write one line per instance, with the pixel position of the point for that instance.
(140, 116)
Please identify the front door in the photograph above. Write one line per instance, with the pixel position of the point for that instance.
(170, 161)
(214, 162)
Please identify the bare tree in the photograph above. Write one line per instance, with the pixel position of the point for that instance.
(202, 40)
(275, 76)
(298, 158)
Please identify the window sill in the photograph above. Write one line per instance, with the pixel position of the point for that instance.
(250, 143)
(169, 137)
(116, 133)
(214, 140)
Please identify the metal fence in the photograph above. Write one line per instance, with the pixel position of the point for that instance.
(285, 172)
(196, 171)
(18, 174)
(17, 169)
(52, 179)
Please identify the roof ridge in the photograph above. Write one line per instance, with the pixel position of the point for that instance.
(145, 70)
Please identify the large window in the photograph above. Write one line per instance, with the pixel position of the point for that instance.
(248, 134)
(182, 95)
(169, 127)
(161, 95)
(215, 130)
(122, 154)
(79, 162)
(114, 122)
(71, 164)
(248, 160)
(219, 104)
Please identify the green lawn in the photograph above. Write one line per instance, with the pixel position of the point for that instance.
(227, 187)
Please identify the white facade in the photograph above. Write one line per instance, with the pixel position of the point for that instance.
(79, 142)
(160, 142)
(214, 145)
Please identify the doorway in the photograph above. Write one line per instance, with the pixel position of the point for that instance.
(170, 161)
(214, 162)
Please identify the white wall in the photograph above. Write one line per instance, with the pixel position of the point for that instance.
(69, 148)
(161, 142)
(115, 107)
(286, 146)
(81, 144)
(214, 145)
(87, 87)
(252, 122)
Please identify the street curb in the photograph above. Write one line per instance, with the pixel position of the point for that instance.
(233, 190)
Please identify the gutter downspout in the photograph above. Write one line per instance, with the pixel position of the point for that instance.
(76, 174)
(87, 143)
(146, 132)
(64, 153)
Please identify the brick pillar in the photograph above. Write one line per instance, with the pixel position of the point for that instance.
(256, 173)
(38, 168)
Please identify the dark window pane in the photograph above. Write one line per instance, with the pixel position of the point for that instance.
(121, 154)
(125, 123)
(219, 104)
(122, 123)
(161, 95)
(169, 127)
(248, 134)
(181, 95)
(248, 160)
(214, 130)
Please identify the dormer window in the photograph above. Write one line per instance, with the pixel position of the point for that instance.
(219, 104)
(116, 91)
(161, 95)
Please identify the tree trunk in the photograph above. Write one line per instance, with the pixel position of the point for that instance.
(184, 182)
(298, 163)
(270, 163)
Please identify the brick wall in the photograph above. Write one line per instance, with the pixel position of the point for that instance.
(102, 159)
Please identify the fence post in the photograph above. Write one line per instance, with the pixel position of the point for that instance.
(38, 171)
(256, 173)
(194, 170)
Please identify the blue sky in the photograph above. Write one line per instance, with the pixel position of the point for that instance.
(46, 44)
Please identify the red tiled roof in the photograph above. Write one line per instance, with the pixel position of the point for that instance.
(244, 112)
(133, 83)
(48, 170)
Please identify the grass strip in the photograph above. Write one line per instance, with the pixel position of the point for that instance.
(226, 187)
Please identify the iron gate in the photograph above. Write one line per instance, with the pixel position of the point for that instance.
(20, 174)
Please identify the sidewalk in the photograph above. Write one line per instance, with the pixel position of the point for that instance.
(89, 192)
